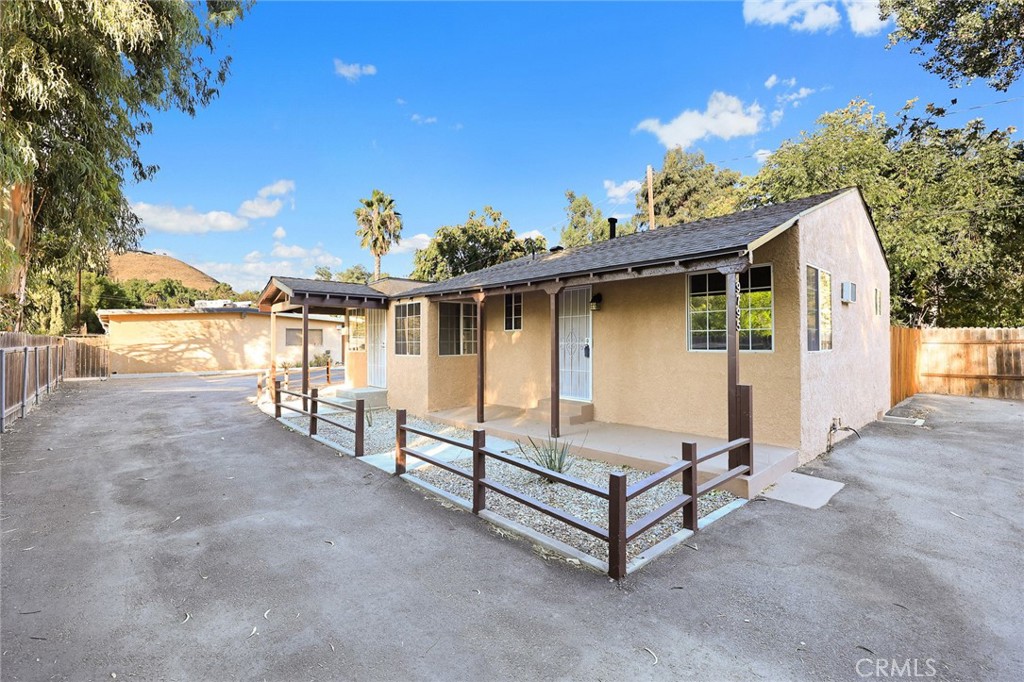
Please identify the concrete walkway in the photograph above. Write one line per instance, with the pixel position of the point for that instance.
(131, 506)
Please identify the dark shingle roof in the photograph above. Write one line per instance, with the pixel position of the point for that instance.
(319, 286)
(728, 234)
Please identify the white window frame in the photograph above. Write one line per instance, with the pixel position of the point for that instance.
(818, 272)
(464, 342)
(689, 317)
(511, 300)
(405, 334)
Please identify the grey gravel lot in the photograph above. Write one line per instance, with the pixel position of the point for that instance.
(167, 499)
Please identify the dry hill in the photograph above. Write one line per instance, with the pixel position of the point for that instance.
(154, 267)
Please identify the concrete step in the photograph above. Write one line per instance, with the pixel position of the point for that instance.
(770, 464)
(569, 411)
(373, 398)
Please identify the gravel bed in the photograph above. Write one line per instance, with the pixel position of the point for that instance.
(379, 433)
(380, 438)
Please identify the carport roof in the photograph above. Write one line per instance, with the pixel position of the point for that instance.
(734, 234)
(321, 294)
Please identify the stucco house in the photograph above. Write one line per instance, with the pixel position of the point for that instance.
(635, 330)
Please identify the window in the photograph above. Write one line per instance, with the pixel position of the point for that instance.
(293, 337)
(819, 309)
(357, 331)
(407, 329)
(457, 329)
(878, 302)
(513, 312)
(707, 310)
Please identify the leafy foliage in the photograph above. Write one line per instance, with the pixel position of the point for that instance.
(969, 38)
(482, 241)
(948, 205)
(380, 226)
(688, 188)
(586, 224)
(356, 274)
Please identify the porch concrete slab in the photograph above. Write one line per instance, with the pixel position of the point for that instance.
(623, 444)
(803, 490)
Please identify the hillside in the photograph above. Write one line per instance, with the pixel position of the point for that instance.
(154, 267)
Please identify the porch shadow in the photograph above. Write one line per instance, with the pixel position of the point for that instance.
(636, 446)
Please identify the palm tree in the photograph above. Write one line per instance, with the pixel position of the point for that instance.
(380, 226)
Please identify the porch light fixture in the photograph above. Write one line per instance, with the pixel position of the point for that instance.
(595, 302)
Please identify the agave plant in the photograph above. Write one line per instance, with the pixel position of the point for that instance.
(549, 453)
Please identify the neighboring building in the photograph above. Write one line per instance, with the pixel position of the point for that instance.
(210, 339)
(636, 328)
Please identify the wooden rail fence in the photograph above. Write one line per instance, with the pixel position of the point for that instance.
(310, 408)
(322, 375)
(958, 361)
(619, 533)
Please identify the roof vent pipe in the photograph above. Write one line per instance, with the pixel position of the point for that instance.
(611, 227)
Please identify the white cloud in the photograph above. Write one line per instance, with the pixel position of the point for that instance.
(253, 257)
(863, 16)
(532, 234)
(776, 117)
(423, 120)
(789, 82)
(288, 251)
(410, 244)
(771, 82)
(279, 233)
(276, 189)
(250, 275)
(815, 15)
(726, 117)
(762, 155)
(620, 194)
(400, 102)
(260, 207)
(795, 97)
(353, 72)
(186, 220)
(457, 127)
(310, 256)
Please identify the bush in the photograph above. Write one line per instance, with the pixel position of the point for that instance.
(549, 453)
(321, 359)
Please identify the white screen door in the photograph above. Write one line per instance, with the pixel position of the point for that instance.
(574, 343)
(376, 348)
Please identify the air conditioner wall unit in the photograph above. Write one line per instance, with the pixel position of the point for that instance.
(848, 292)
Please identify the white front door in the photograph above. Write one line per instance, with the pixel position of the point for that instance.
(376, 348)
(574, 343)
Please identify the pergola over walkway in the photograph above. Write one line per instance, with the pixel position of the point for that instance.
(313, 296)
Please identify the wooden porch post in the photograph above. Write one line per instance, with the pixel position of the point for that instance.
(553, 292)
(273, 345)
(732, 342)
(305, 354)
(481, 337)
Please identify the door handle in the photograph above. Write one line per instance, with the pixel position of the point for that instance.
(586, 350)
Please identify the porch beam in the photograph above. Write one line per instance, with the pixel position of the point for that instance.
(284, 307)
(481, 366)
(334, 303)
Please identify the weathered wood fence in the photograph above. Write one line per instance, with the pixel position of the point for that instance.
(987, 363)
(88, 357)
(28, 370)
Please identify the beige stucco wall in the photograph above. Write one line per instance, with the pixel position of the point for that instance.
(851, 381)
(200, 342)
(645, 375)
(518, 363)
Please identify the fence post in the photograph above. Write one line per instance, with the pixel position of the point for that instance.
(314, 393)
(35, 357)
(479, 471)
(360, 426)
(617, 526)
(399, 442)
(46, 374)
(3, 389)
(328, 373)
(24, 384)
(277, 398)
(690, 486)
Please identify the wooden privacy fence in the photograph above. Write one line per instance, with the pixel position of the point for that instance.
(88, 357)
(310, 408)
(966, 361)
(26, 373)
(619, 533)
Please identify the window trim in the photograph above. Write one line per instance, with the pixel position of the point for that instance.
(312, 331)
(831, 306)
(689, 331)
(462, 328)
(409, 342)
(878, 302)
(510, 301)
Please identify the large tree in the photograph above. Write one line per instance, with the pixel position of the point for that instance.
(948, 204)
(586, 224)
(688, 188)
(482, 241)
(968, 38)
(78, 81)
(380, 226)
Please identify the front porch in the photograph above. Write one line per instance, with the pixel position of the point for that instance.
(636, 446)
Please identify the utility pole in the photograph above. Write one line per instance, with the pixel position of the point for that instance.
(650, 198)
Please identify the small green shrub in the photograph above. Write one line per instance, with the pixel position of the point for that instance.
(321, 359)
(549, 453)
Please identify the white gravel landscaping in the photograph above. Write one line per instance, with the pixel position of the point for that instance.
(380, 438)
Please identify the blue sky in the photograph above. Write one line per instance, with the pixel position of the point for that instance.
(450, 107)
